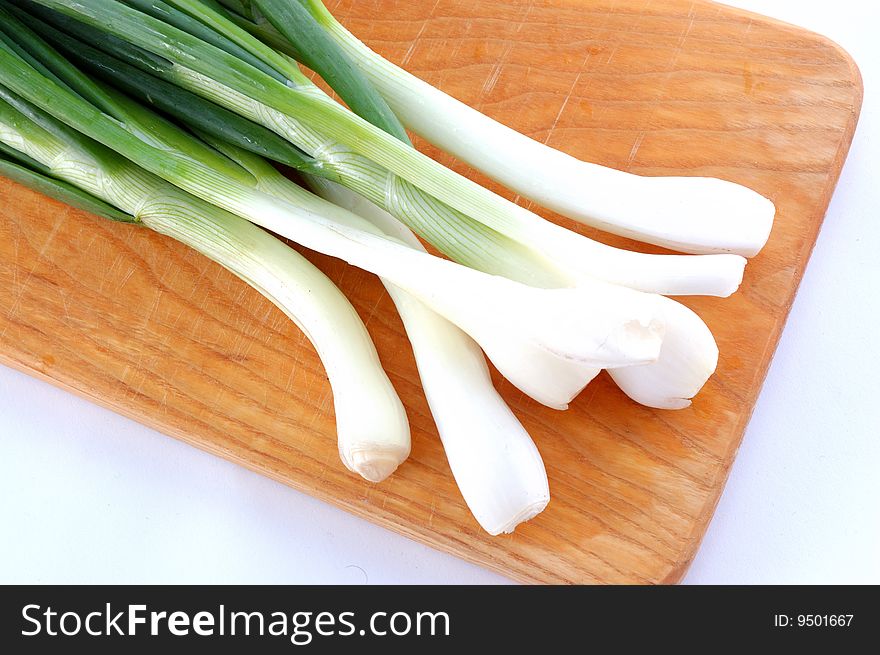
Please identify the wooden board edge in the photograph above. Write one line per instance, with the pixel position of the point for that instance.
(677, 573)
(374, 517)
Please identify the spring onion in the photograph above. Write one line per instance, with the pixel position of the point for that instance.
(207, 69)
(28, 172)
(690, 214)
(494, 461)
(372, 428)
(552, 381)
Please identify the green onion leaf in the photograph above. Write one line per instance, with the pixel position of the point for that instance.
(317, 50)
(31, 174)
(183, 105)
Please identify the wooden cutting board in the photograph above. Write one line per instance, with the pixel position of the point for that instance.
(138, 323)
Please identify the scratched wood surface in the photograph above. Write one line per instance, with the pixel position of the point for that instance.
(140, 324)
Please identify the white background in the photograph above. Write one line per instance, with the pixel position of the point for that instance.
(88, 496)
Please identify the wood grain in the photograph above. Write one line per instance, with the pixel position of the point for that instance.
(142, 325)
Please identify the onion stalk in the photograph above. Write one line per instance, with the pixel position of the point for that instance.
(689, 214)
